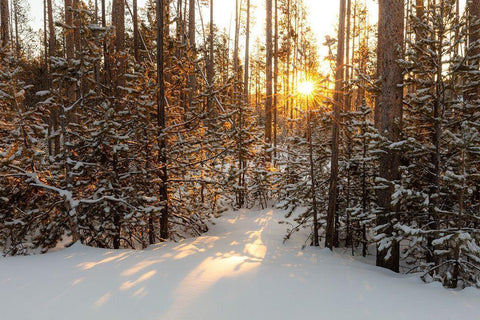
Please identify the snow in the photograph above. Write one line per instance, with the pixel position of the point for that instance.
(239, 270)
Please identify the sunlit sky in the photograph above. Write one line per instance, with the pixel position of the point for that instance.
(322, 15)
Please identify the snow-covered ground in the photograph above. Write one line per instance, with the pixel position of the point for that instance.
(239, 270)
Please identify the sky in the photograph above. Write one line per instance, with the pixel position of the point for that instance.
(323, 15)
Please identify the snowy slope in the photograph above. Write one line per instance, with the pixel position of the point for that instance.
(239, 270)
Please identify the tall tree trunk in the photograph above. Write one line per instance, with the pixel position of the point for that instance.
(474, 40)
(337, 104)
(191, 23)
(246, 102)
(106, 56)
(45, 43)
(313, 186)
(210, 66)
(289, 52)
(69, 38)
(235, 54)
(76, 30)
(275, 83)
(135, 32)
(118, 21)
(161, 115)
(54, 146)
(268, 75)
(192, 83)
(15, 18)
(388, 116)
(4, 23)
(348, 67)
(347, 108)
(51, 30)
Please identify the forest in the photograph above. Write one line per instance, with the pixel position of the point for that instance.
(126, 125)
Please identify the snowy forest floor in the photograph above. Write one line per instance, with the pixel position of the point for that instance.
(240, 269)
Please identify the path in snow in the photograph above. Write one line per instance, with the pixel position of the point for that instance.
(239, 270)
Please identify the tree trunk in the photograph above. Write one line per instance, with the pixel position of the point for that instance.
(289, 50)
(268, 75)
(15, 18)
(275, 83)
(388, 115)
(348, 67)
(337, 104)
(53, 125)
(312, 177)
(210, 66)
(246, 91)
(106, 56)
(235, 55)
(474, 39)
(246, 101)
(4, 23)
(45, 44)
(118, 21)
(135, 32)
(192, 83)
(161, 123)
(51, 31)
(69, 43)
(76, 30)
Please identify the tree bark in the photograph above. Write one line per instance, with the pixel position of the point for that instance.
(51, 30)
(337, 105)
(4, 23)
(268, 75)
(53, 125)
(474, 40)
(76, 30)
(210, 66)
(161, 115)
(118, 21)
(388, 116)
(192, 83)
(69, 38)
(275, 82)
(135, 32)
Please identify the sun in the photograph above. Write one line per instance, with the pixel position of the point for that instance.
(305, 88)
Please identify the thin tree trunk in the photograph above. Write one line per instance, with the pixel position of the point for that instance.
(235, 55)
(51, 31)
(69, 43)
(192, 83)
(347, 108)
(289, 52)
(135, 32)
(45, 40)
(161, 115)
(17, 38)
(247, 57)
(275, 83)
(268, 75)
(337, 105)
(348, 67)
(312, 177)
(474, 40)
(210, 67)
(54, 126)
(106, 56)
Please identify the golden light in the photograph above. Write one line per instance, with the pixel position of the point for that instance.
(305, 88)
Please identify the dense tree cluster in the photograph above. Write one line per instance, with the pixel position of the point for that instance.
(136, 125)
